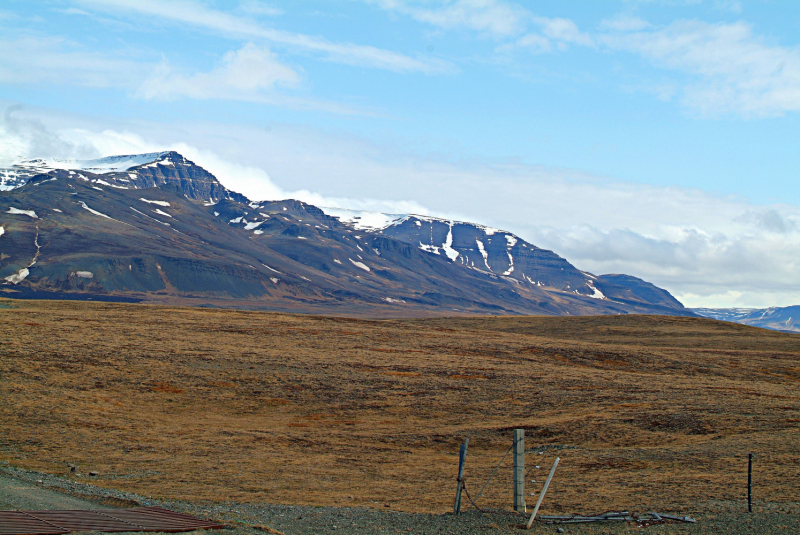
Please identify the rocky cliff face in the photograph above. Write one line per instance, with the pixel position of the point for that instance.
(138, 171)
(173, 169)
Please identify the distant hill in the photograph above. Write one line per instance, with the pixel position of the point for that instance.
(159, 228)
(775, 318)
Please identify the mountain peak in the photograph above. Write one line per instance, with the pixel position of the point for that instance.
(128, 171)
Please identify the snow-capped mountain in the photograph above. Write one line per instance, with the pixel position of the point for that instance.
(158, 228)
(20, 173)
(776, 318)
(133, 171)
(500, 254)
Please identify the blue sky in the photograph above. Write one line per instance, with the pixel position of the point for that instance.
(656, 138)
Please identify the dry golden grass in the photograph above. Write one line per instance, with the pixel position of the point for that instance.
(645, 412)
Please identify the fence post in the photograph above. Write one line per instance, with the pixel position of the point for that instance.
(519, 470)
(541, 495)
(750, 483)
(462, 459)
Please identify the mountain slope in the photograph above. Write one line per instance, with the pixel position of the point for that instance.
(190, 240)
(503, 255)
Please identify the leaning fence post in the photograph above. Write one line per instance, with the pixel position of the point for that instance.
(541, 496)
(462, 459)
(519, 470)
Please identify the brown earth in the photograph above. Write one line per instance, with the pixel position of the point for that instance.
(645, 412)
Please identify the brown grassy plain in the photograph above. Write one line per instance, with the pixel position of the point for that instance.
(646, 412)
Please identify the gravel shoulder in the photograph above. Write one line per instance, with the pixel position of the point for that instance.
(18, 493)
(26, 489)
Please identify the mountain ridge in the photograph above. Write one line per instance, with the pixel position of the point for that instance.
(190, 238)
(785, 319)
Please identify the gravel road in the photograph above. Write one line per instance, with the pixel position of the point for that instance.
(24, 489)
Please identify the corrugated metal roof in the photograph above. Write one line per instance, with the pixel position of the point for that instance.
(108, 520)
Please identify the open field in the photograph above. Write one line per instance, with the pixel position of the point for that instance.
(646, 412)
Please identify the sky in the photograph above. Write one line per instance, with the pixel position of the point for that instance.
(657, 138)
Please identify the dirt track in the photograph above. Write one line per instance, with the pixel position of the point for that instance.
(645, 412)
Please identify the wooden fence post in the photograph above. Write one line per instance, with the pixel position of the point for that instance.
(462, 459)
(750, 483)
(519, 470)
(541, 496)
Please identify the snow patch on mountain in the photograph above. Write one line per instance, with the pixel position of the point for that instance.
(95, 212)
(429, 248)
(484, 254)
(597, 294)
(510, 269)
(159, 212)
(147, 216)
(160, 203)
(359, 264)
(17, 211)
(362, 219)
(16, 278)
(447, 247)
(109, 164)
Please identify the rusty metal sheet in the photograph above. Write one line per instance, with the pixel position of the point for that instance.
(84, 521)
(107, 520)
(158, 519)
(20, 523)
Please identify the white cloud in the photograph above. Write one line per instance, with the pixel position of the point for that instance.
(564, 31)
(22, 136)
(533, 42)
(197, 14)
(494, 17)
(708, 250)
(735, 71)
(251, 73)
(734, 6)
(624, 23)
(252, 7)
(555, 33)
(244, 74)
(768, 220)
(730, 69)
(701, 268)
(31, 60)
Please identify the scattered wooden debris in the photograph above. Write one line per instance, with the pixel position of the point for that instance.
(679, 518)
(643, 520)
